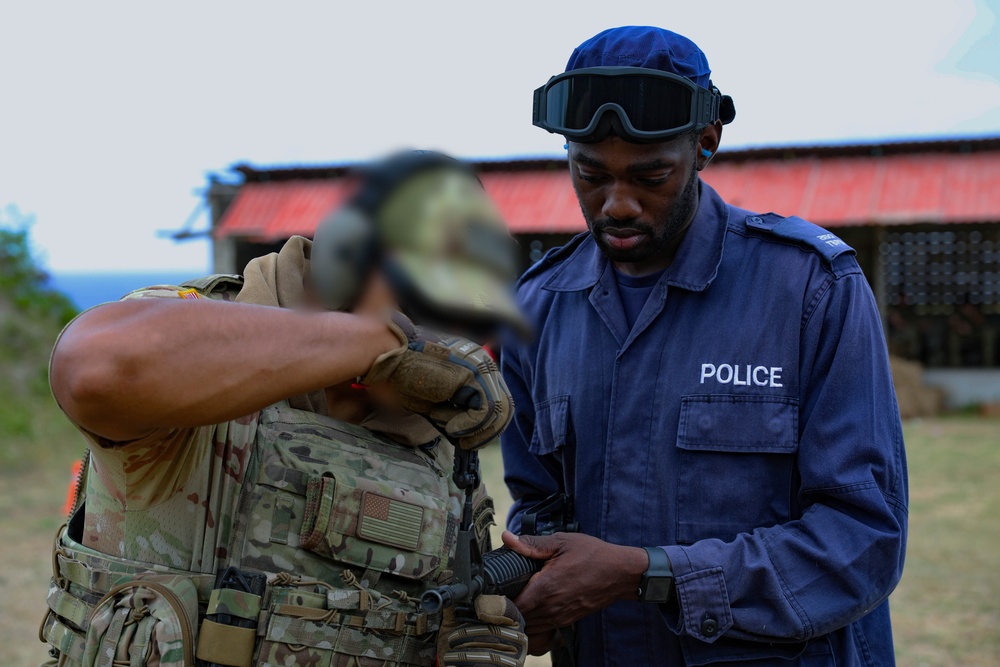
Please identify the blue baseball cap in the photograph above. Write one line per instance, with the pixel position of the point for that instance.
(643, 46)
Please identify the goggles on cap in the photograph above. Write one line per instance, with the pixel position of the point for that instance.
(651, 105)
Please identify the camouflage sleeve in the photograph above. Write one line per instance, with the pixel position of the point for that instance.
(145, 472)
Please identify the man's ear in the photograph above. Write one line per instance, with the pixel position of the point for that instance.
(708, 143)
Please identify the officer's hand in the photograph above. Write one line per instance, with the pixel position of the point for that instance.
(541, 642)
(498, 640)
(450, 380)
(581, 575)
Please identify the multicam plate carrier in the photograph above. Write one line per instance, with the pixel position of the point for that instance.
(349, 528)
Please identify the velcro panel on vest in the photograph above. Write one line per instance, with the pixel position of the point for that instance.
(803, 232)
(225, 644)
(235, 603)
(357, 521)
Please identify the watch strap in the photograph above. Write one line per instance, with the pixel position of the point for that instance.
(658, 580)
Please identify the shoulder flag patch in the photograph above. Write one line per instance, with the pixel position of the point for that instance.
(188, 294)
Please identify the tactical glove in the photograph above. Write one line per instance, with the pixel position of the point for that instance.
(450, 380)
(498, 640)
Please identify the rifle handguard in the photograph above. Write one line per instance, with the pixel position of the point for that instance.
(505, 572)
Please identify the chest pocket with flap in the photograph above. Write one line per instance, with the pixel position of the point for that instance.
(736, 461)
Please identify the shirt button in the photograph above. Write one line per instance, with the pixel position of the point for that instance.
(755, 220)
(709, 627)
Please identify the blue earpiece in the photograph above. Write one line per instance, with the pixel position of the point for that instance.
(706, 153)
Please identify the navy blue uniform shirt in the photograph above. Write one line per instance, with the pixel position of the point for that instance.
(746, 423)
(634, 291)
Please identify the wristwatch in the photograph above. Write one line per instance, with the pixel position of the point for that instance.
(658, 580)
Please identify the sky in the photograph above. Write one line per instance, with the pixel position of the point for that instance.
(113, 115)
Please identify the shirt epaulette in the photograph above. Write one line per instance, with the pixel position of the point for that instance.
(801, 232)
(551, 257)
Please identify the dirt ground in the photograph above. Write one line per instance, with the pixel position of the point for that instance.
(30, 508)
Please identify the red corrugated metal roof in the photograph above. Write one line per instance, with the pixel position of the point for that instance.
(830, 191)
(842, 191)
(542, 202)
(273, 211)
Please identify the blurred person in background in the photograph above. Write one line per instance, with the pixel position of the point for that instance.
(270, 455)
(710, 385)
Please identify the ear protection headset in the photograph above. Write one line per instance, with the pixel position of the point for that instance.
(346, 243)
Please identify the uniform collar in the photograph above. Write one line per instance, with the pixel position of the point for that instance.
(694, 268)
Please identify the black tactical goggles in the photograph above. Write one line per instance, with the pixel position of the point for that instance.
(650, 105)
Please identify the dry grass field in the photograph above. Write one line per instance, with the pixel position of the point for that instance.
(946, 611)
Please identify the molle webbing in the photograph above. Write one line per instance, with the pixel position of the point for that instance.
(384, 531)
(336, 618)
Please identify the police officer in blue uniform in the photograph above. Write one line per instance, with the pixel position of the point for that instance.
(712, 387)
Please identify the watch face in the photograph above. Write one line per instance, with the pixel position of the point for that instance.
(657, 589)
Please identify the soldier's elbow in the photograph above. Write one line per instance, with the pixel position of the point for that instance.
(89, 374)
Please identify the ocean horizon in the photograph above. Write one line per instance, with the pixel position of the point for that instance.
(88, 289)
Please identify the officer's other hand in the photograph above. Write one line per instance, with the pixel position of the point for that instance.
(581, 575)
(498, 639)
(450, 380)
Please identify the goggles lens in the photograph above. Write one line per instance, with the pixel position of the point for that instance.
(651, 104)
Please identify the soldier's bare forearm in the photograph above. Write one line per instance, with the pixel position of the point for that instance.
(127, 368)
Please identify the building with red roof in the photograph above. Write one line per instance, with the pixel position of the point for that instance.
(924, 217)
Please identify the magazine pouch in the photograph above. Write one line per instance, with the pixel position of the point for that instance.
(148, 621)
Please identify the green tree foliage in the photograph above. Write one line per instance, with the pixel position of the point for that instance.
(22, 281)
(31, 316)
(33, 432)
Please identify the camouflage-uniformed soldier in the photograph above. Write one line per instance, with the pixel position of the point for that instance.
(269, 480)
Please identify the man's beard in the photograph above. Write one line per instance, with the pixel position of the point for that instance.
(660, 242)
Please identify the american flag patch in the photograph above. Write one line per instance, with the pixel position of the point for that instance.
(390, 521)
(188, 294)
